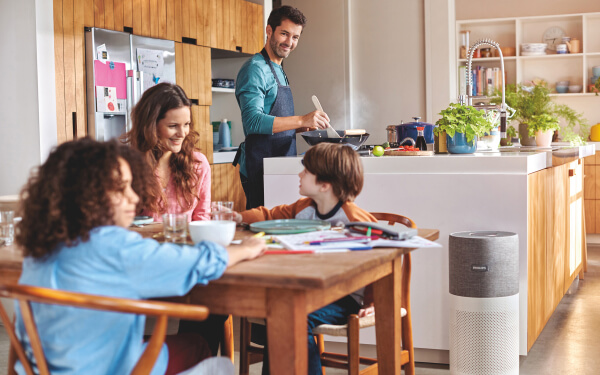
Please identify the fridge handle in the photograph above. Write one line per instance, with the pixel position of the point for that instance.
(130, 97)
(141, 82)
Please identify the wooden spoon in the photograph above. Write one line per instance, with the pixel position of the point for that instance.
(331, 133)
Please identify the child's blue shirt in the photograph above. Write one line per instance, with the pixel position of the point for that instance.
(114, 262)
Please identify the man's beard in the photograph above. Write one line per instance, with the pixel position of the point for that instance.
(277, 52)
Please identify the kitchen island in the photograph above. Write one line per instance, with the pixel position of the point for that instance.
(536, 194)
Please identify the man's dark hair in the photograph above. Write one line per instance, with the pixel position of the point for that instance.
(286, 12)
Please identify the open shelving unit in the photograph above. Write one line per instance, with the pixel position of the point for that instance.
(552, 67)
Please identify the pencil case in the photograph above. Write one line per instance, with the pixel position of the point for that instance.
(394, 232)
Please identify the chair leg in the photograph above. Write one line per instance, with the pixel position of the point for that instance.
(353, 345)
(12, 360)
(244, 343)
(407, 337)
(227, 343)
(321, 345)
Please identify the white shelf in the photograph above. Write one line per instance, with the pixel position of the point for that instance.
(512, 32)
(223, 90)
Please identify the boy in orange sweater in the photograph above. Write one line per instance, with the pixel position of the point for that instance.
(332, 178)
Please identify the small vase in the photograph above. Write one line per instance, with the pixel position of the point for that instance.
(544, 138)
(526, 140)
(459, 145)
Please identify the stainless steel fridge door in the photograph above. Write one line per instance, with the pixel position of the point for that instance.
(168, 59)
(104, 126)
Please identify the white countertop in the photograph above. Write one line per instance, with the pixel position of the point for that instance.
(477, 163)
(223, 157)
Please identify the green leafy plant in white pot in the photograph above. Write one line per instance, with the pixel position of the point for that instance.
(462, 124)
(530, 101)
(542, 127)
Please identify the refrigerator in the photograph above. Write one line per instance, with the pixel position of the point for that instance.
(119, 68)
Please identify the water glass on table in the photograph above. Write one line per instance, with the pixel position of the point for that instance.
(175, 227)
(7, 227)
(222, 210)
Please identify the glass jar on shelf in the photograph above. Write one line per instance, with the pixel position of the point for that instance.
(464, 43)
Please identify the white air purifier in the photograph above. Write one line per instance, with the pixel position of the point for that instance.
(484, 303)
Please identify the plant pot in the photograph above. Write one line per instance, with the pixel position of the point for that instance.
(544, 138)
(526, 140)
(459, 145)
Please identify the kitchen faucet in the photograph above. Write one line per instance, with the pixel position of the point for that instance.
(468, 99)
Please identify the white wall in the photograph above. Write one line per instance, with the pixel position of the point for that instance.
(365, 61)
(27, 97)
(468, 9)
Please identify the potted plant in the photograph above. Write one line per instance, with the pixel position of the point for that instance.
(511, 133)
(530, 101)
(462, 124)
(542, 127)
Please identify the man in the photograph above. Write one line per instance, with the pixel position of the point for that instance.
(265, 100)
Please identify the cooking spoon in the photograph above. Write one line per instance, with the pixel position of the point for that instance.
(331, 133)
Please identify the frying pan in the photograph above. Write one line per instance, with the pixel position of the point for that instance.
(314, 137)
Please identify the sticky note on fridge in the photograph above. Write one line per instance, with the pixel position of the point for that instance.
(111, 74)
(106, 99)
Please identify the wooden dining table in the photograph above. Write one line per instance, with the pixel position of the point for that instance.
(284, 289)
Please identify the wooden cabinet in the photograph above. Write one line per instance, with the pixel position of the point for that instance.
(193, 72)
(226, 185)
(592, 193)
(555, 240)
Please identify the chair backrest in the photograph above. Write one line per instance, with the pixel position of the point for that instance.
(26, 294)
(394, 218)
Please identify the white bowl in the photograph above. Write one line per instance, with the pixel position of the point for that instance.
(534, 47)
(575, 88)
(219, 231)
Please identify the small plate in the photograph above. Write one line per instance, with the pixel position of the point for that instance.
(289, 226)
(142, 220)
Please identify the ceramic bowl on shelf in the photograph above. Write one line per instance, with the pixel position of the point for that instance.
(534, 47)
(594, 79)
(563, 83)
(575, 88)
(562, 89)
(596, 70)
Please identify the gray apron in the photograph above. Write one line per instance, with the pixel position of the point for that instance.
(260, 146)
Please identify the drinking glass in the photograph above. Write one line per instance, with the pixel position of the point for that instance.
(7, 227)
(221, 206)
(222, 215)
(175, 227)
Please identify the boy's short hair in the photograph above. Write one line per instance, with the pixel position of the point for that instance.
(338, 165)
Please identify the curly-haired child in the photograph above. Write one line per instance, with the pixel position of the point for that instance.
(76, 209)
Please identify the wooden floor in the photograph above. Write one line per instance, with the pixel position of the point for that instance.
(570, 343)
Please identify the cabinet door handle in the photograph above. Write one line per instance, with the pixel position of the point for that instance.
(571, 172)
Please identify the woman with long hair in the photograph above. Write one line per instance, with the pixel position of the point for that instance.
(162, 129)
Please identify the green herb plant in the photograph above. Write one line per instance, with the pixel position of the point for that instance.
(543, 122)
(511, 132)
(462, 118)
(535, 101)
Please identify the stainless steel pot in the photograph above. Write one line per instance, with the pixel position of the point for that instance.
(392, 136)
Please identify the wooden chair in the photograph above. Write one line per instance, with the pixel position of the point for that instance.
(27, 294)
(251, 353)
(352, 360)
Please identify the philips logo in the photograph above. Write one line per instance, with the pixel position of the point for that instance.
(479, 268)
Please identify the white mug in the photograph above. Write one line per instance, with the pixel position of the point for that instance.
(561, 48)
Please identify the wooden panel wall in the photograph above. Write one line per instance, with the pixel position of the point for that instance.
(201, 120)
(224, 24)
(226, 185)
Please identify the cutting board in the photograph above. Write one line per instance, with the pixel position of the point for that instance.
(408, 153)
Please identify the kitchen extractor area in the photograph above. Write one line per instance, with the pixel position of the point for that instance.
(200, 186)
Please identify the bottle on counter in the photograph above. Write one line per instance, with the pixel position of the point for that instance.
(224, 134)
(421, 144)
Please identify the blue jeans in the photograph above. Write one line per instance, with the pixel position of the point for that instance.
(335, 313)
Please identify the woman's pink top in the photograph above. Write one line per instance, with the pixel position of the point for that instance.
(200, 207)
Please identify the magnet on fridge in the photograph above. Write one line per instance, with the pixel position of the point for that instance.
(155, 79)
(111, 65)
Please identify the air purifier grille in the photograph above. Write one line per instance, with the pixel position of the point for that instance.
(484, 336)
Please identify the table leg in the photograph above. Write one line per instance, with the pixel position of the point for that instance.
(387, 297)
(287, 336)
